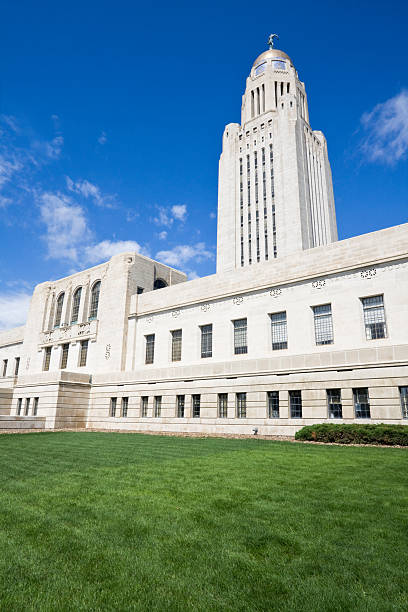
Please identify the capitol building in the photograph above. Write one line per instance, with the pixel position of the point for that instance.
(295, 328)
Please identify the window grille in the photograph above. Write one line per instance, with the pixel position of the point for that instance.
(334, 406)
(404, 401)
(241, 405)
(240, 337)
(75, 305)
(125, 404)
(93, 310)
(176, 338)
(64, 356)
(180, 406)
(5, 362)
(295, 401)
(374, 317)
(149, 348)
(58, 312)
(27, 406)
(83, 353)
(323, 324)
(206, 341)
(196, 406)
(361, 403)
(144, 400)
(35, 406)
(157, 405)
(19, 405)
(47, 358)
(16, 366)
(222, 405)
(279, 331)
(113, 403)
(273, 404)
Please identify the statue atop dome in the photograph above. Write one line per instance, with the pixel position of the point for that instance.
(270, 40)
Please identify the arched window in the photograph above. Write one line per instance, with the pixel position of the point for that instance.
(93, 310)
(58, 312)
(76, 300)
(159, 283)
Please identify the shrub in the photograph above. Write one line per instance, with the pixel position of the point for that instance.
(355, 434)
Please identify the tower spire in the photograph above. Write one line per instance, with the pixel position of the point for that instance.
(270, 40)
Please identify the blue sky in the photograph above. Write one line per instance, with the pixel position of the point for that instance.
(112, 115)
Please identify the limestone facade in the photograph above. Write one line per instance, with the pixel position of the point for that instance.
(317, 333)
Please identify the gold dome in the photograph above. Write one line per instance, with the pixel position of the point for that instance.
(271, 53)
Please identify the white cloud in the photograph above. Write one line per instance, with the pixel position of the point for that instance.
(183, 253)
(89, 190)
(163, 235)
(386, 130)
(13, 309)
(8, 166)
(66, 225)
(213, 215)
(102, 138)
(163, 217)
(11, 122)
(105, 249)
(179, 211)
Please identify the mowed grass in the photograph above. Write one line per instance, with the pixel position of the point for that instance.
(99, 521)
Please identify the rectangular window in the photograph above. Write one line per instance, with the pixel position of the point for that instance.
(113, 403)
(240, 336)
(222, 405)
(241, 405)
(374, 317)
(5, 362)
(27, 406)
(323, 324)
(180, 406)
(144, 403)
(295, 401)
(361, 403)
(196, 406)
(206, 341)
(64, 356)
(47, 358)
(279, 331)
(334, 406)
(176, 338)
(149, 348)
(83, 353)
(19, 405)
(16, 366)
(125, 404)
(157, 405)
(35, 406)
(273, 404)
(404, 401)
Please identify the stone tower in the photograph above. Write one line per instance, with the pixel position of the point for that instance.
(275, 194)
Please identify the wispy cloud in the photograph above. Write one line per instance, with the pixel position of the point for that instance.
(107, 248)
(103, 139)
(89, 190)
(386, 131)
(66, 225)
(166, 215)
(162, 235)
(179, 211)
(183, 253)
(13, 308)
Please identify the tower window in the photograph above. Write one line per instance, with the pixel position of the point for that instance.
(76, 300)
(241, 405)
(196, 406)
(64, 356)
(273, 404)
(323, 324)
(47, 358)
(240, 337)
(374, 317)
(279, 331)
(93, 310)
(180, 406)
(113, 402)
(149, 357)
(58, 313)
(83, 355)
(176, 338)
(361, 403)
(157, 406)
(144, 401)
(206, 340)
(125, 404)
(295, 401)
(260, 68)
(334, 403)
(222, 405)
(279, 65)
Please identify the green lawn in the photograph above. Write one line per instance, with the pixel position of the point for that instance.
(98, 521)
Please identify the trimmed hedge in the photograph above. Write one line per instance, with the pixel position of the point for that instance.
(355, 434)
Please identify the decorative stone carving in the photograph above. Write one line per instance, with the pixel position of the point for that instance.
(237, 300)
(149, 320)
(84, 329)
(368, 273)
(319, 284)
(205, 307)
(107, 351)
(28, 363)
(175, 313)
(275, 292)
